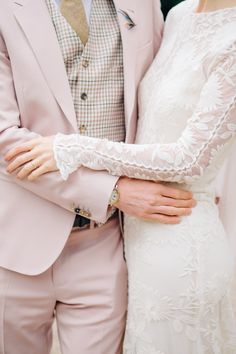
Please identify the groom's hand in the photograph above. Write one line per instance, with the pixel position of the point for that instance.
(154, 201)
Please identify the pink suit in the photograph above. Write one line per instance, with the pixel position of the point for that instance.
(40, 269)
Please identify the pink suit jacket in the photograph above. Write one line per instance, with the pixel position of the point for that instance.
(36, 218)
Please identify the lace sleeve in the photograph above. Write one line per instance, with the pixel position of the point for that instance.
(208, 133)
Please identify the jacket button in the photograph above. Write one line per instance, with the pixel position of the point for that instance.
(77, 210)
(85, 64)
(84, 96)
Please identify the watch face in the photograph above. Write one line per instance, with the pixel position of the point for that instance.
(114, 197)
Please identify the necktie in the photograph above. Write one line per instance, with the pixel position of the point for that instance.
(74, 13)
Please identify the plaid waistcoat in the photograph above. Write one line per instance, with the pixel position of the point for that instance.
(95, 71)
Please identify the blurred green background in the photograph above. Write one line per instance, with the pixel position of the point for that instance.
(168, 4)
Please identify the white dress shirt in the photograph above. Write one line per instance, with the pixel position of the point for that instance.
(87, 7)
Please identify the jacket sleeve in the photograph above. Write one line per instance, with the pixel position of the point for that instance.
(86, 189)
(206, 138)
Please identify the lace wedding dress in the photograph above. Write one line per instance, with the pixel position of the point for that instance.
(179, 276)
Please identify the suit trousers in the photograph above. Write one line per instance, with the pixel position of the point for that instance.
(85, 289)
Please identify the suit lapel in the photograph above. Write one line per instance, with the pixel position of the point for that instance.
(36, 23)
(130, 42)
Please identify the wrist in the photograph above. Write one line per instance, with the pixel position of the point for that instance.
(121, 184)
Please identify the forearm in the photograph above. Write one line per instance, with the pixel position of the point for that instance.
(85, 189)
(170, 162)
(148, 162)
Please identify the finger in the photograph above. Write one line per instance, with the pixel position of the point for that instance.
(19, 149)
(19, 161)
(172, 211)
(39, 172)
(30, 167)
(176, 193)
(177, 203)
(163, 219)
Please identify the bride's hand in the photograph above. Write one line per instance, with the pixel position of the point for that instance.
(32, 159)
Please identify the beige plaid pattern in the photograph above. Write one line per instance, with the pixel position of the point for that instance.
(95, 71)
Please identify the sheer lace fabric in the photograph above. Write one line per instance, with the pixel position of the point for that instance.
(179, 276)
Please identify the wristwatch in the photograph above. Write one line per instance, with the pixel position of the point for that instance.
(115, 196)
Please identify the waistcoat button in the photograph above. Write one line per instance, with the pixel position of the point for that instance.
(85, 63)
(84, 96)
